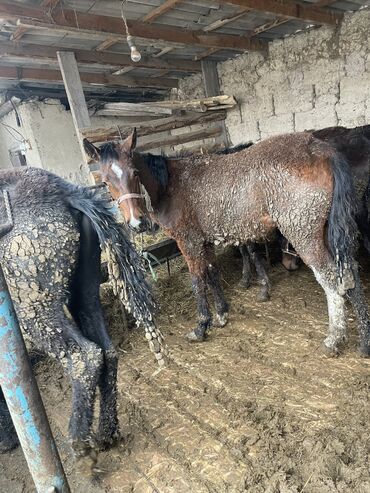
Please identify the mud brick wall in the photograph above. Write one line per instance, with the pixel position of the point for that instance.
(314, 79)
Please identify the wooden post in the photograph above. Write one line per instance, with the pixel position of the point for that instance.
(212, 88)
(76, 99)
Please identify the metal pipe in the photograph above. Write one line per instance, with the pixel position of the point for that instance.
(25, 404)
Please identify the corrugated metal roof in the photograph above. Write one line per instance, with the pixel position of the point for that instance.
(189, 15)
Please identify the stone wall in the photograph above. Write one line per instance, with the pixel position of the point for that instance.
(314, 79)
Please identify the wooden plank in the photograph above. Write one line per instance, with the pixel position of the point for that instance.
(123, 70)
(91, 57)
(51, 4)
(71, 21)
(45, 75)
(107, 43)
(162, 9)
(19, 33)
(226, 20)
(180, 139)
(153, 126)
(291, 9)
(75, 94)
(202, 105)
(73, 85)
(212, 88)
(270, 25)
(133, 108)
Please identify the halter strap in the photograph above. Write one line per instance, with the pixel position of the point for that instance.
(126, 196)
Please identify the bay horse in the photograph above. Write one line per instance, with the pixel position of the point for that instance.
(51, 261)
(295, 183)
(354, 143)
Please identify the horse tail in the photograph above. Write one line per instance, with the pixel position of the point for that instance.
(342, 226)
(125, 266)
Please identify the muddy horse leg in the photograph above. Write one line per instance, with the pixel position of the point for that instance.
(262, 276)
(357, 299)
(214, 283)
(87, 311)
(196, 260)
(246, 279)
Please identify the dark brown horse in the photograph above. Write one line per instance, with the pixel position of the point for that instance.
(295, 183)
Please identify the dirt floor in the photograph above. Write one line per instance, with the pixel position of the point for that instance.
(256, 408)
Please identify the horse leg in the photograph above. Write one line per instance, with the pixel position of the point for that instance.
(262, 276)
(214, 283)
(245, 281)
(318, 258)
(357, 299)
(86, 309)
(197, 264)
(8, 436)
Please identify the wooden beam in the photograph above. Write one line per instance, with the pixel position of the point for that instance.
(162, 9)
(166, 50)
(71, 21)
(226, 20)
(91, 57)
(180, 139)
(205, 54)
(51, 3)
(75, 94)
(46, 75)
(133, 108)
(212, 88)
(294, 10)
(19, 33)
(270, 25)
(123, 70)
(107, 43)
(153, 126)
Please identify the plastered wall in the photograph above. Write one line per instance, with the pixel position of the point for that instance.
(313, 79)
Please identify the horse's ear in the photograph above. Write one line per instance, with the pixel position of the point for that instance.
(92, 151)
(129, 144)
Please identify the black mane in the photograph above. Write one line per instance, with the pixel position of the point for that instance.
(109, 152)
(158, 167)
(232, 150)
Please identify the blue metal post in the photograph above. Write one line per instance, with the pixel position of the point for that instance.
(25, 404)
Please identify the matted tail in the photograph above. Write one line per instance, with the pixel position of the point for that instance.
(342, 226)
(125, 266)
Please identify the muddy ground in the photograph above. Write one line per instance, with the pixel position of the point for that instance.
(256, 408)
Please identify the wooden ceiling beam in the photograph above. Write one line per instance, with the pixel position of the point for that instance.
(78, 22)
(162, 9)
(293, 10)
(46, 75)
(40, 52)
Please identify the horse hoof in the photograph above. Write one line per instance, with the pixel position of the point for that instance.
(194, 337)
(86, 458)
(245, 284)
(263, 297)
(364, 350)
(331, 352)
(220, 320)
(106, 442)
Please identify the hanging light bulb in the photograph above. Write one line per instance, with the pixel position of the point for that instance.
(135, 53)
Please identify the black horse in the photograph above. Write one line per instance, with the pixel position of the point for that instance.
(51, 260)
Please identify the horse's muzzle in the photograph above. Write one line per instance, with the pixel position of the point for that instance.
(141, 225)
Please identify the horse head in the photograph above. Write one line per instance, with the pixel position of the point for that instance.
(122, 177)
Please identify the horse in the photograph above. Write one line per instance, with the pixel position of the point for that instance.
(354, 143)
(293, 182)
(51, 261)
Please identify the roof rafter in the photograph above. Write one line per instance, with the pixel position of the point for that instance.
(46, 75)
(293, 10)
(162, 9)
(9, 49)
(77, 22)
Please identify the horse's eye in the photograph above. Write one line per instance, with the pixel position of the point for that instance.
(136, 173)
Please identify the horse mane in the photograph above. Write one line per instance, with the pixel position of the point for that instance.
(234, 149)
(109, 152)
(157, 166)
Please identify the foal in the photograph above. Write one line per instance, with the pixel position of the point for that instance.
(292, 182)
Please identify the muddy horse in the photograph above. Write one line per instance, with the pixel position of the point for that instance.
(354, 143)
(51, 261)
(295, 183)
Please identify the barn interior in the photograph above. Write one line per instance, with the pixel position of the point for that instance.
(257, 407)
